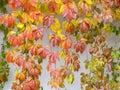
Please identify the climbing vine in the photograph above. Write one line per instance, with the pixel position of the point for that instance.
(73, 25)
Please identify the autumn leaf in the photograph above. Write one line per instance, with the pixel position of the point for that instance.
(68, 59)
(54, 39)
(84, 25)
(66, 42)
(80, 45)
(53, 57)
(70, 78)
(89, 1)
(14, 3)
(69, 27)
(52, 6)
(62, 54)
(56, 25)
(10, 57)
(69, 12)
(48, 20)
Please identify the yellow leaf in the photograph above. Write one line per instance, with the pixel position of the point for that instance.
(15, 13)
(74, 22)
(71, 66)
(119, 67)
(93, 22)
(62, 54)
(20, 25)
(62, 8)
(59, 33)
(10, 33)
(65, 24)
(89, 1)
(56, 26)
(70, 78)
(17, 71)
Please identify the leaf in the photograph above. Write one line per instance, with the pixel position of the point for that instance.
(71, 66)
(16, 13)
(48, 20)
(54, 39)
(20, 25)
(69, 12)
(62, 54)
(62, 86)
(53, 57)
(44, 7)
(74, 22)
(66, 42)
(56, 26)
(70, 78)
(93, 22)
(89, 2)
(11, 33)
(58, 1)
(62, 8)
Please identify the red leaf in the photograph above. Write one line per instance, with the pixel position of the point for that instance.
(84, 25)
(37, 33)
(29, 5)
(43, 52)
(28, 34)
(55, 73)
(34, 49)
(48, 20)
(9, 20)
(35, 15)
(54, 39)
(14, 3)
(16, 40)
(80, 45)
(20, 60)
(76, 65)
(10, 56)
(49, 67)
(69, 12)
(68, 59)
(53, 56)
(52, 6)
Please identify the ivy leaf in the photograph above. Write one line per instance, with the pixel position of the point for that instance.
(70, 78)
(66, 42)
(71, 66)
(115, 54)
(10, 33)
(62, 55)
(62, 86)
(20, 25)
(56, 26)
(89, 2)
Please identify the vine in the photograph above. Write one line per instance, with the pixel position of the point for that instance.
(73, 24)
